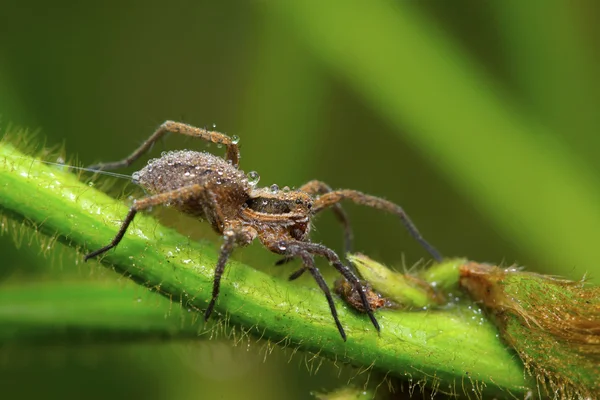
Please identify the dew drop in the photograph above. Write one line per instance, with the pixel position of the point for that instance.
(214, 126)
(274, 188)
(235, 139)
(253, 178)
(135, 177)
(281, 246)
(286, 189)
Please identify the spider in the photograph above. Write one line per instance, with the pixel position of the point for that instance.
(214, 189)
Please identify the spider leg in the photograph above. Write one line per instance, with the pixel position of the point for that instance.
(232, 153)
(296, 274)
(180, 194)
(235, 235)
(226, 250)
(309, 263)
(318, 188)
(301, 249)
(332, 198)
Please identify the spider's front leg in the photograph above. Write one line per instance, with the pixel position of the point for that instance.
(306, 251)
(232, 152)
(333, 198)
(319, 188)
(232, 236)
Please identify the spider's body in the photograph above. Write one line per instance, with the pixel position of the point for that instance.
(228, 200)
(213, 188)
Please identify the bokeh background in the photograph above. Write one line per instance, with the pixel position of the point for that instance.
(480, 118)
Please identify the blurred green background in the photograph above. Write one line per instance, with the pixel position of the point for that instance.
(479, 118)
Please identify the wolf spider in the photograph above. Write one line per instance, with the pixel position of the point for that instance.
(213, 188)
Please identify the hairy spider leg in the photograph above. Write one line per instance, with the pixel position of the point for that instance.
(309, 262)
(296, 274)
(226, 250)
(332, 198)
(181, 194)
(242, 236)
(301, 249)
(316, 187)
(232, 153)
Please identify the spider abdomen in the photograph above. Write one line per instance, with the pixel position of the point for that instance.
(223, 185)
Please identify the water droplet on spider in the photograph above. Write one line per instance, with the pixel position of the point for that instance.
(253, 178)
(218, 181)
(274, 188)
(282, 246)
(135, 177)
(220, 172)
(186, 173)
(164, 153)
(286, 189)
(228, 233)
(235, 139)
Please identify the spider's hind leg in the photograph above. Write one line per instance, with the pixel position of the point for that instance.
(232, 152)
(182, 194)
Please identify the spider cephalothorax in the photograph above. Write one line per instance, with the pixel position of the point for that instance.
(213, 188)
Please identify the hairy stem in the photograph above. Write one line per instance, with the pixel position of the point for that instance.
(444, 349)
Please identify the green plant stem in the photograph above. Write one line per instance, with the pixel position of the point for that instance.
(440, 348)
(49, 312)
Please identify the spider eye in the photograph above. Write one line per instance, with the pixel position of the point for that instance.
(309, 205)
